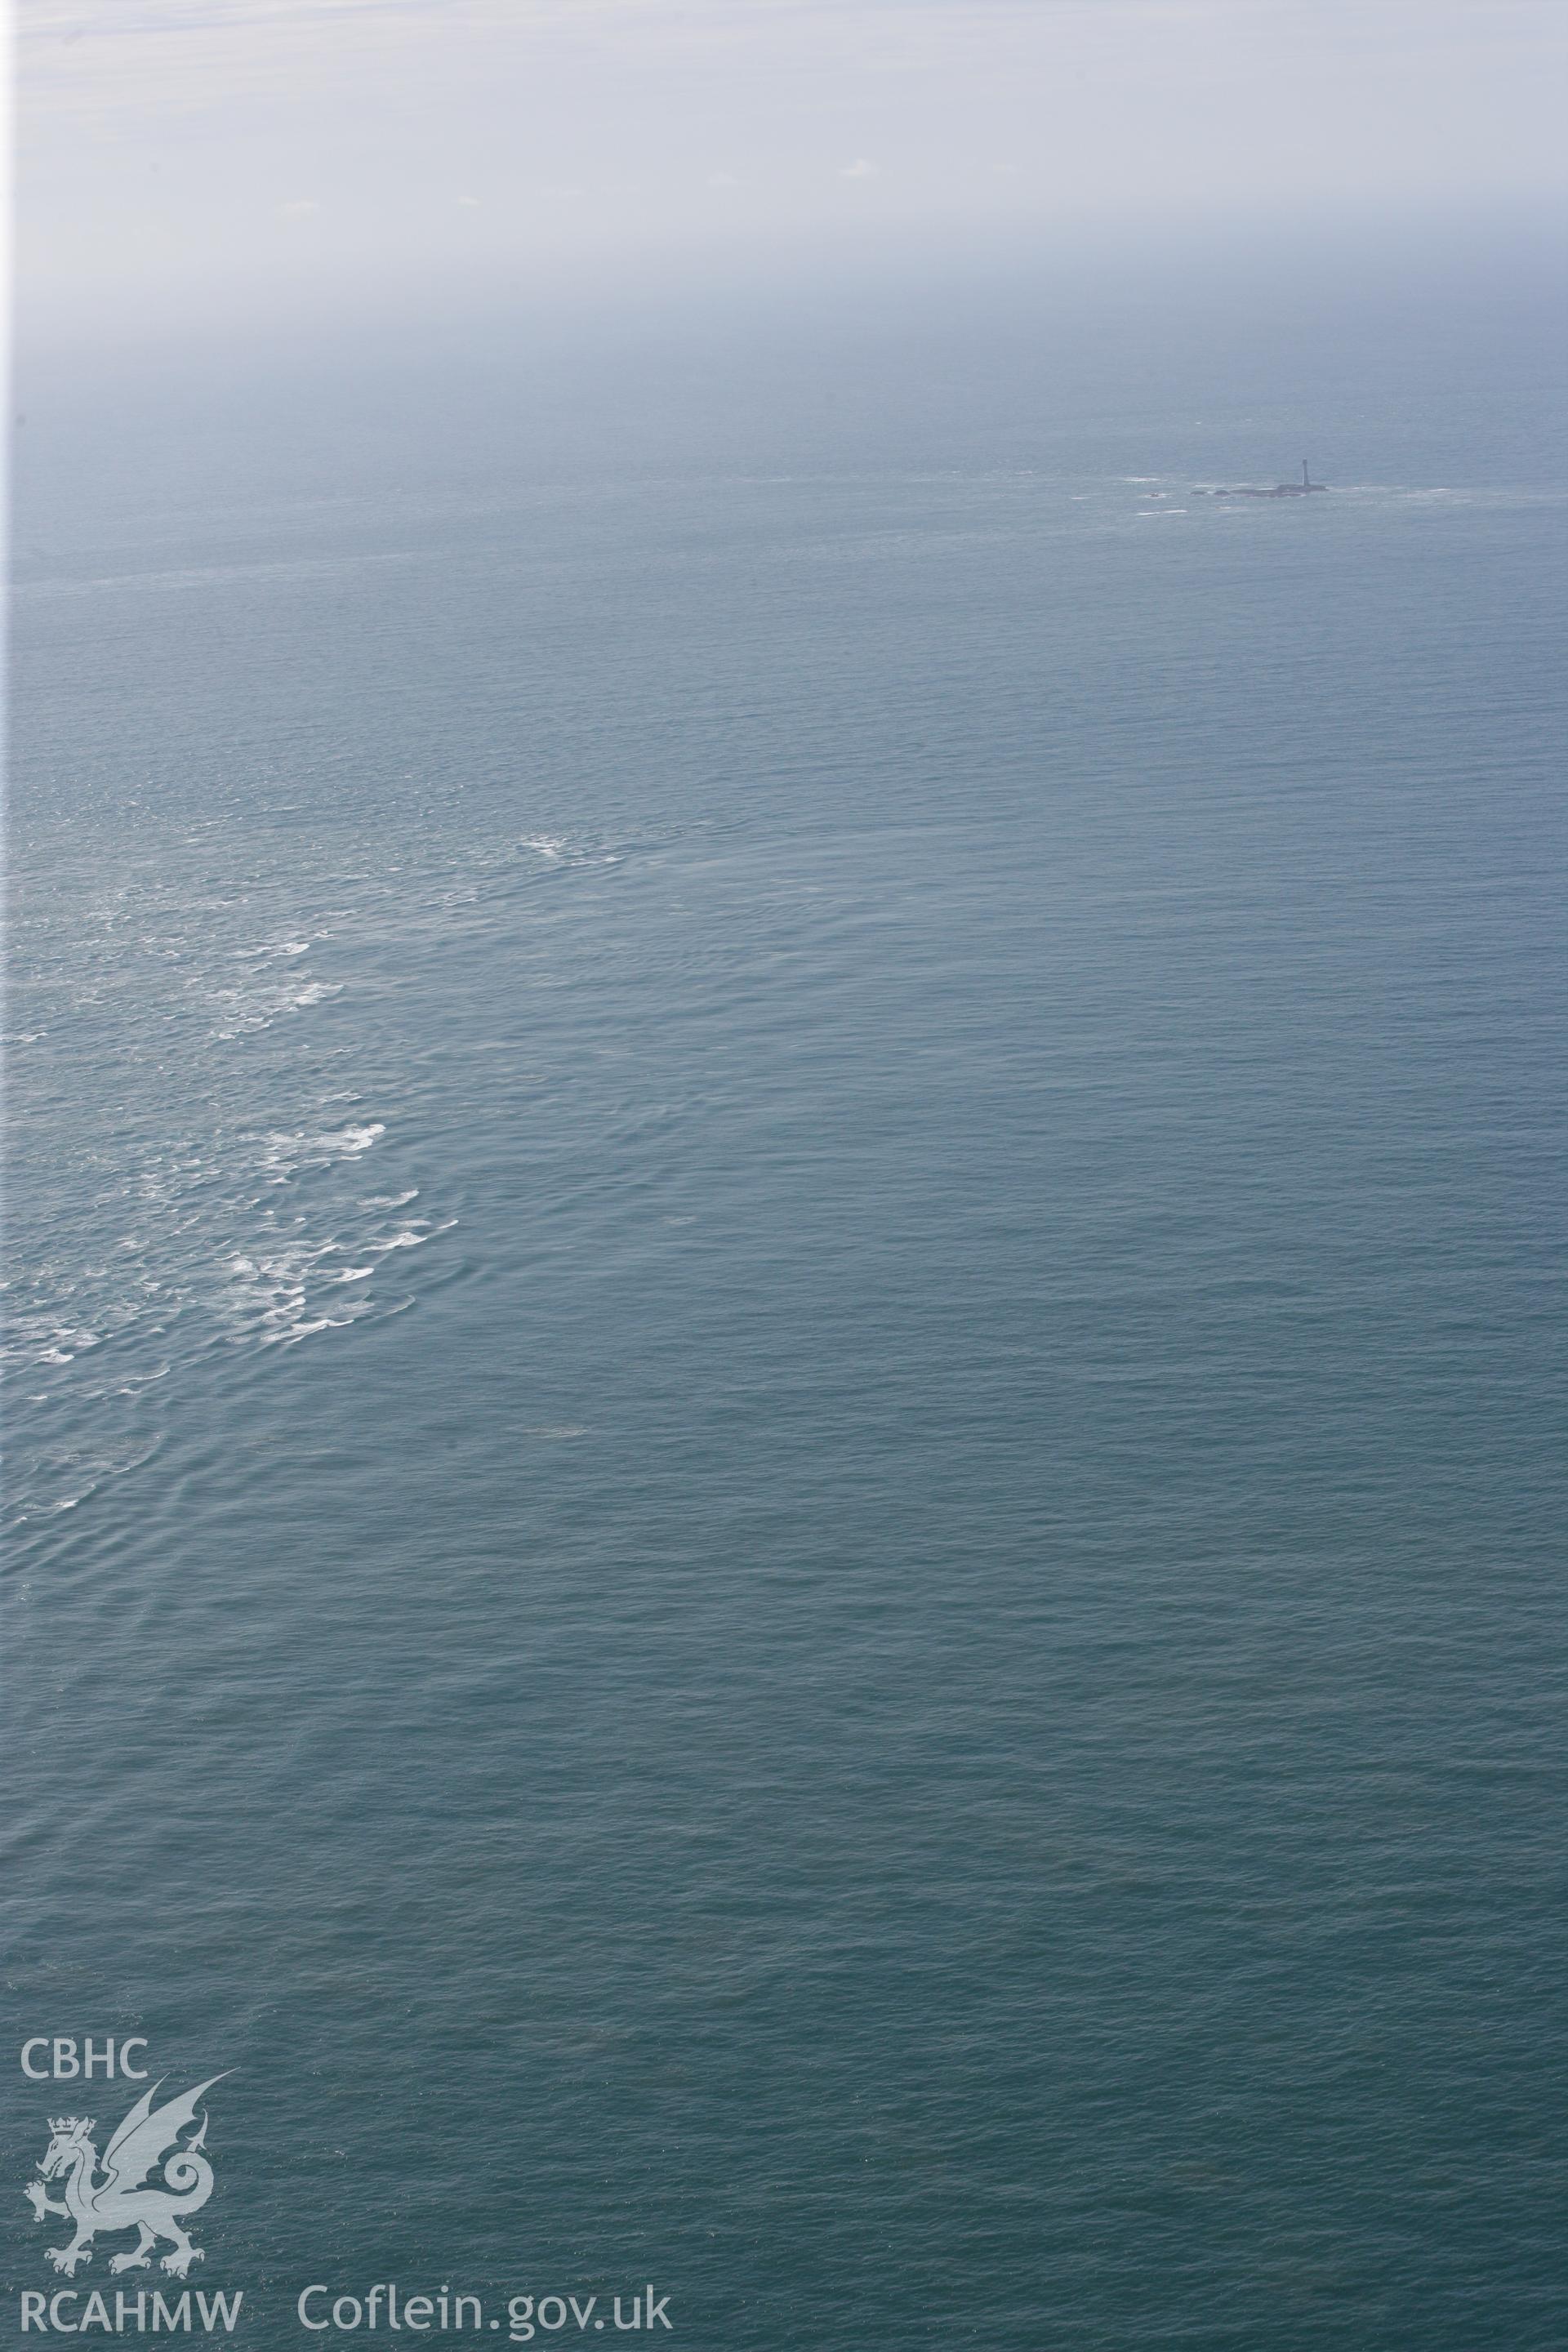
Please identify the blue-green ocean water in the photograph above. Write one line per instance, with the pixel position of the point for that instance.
(783, 1225)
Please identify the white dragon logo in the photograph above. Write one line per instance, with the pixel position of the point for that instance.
(126, 2200)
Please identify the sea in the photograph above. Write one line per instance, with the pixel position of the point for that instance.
(785, 1221)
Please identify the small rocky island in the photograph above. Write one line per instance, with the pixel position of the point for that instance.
(1301, 490)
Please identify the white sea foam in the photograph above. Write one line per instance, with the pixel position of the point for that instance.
(220, 1217)
(307, 1331)
(247, 1010)
(284, 1152)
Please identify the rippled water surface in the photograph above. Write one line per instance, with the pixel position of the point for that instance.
(782, 1376)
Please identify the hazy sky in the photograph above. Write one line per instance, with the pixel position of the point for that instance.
(213, 152)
